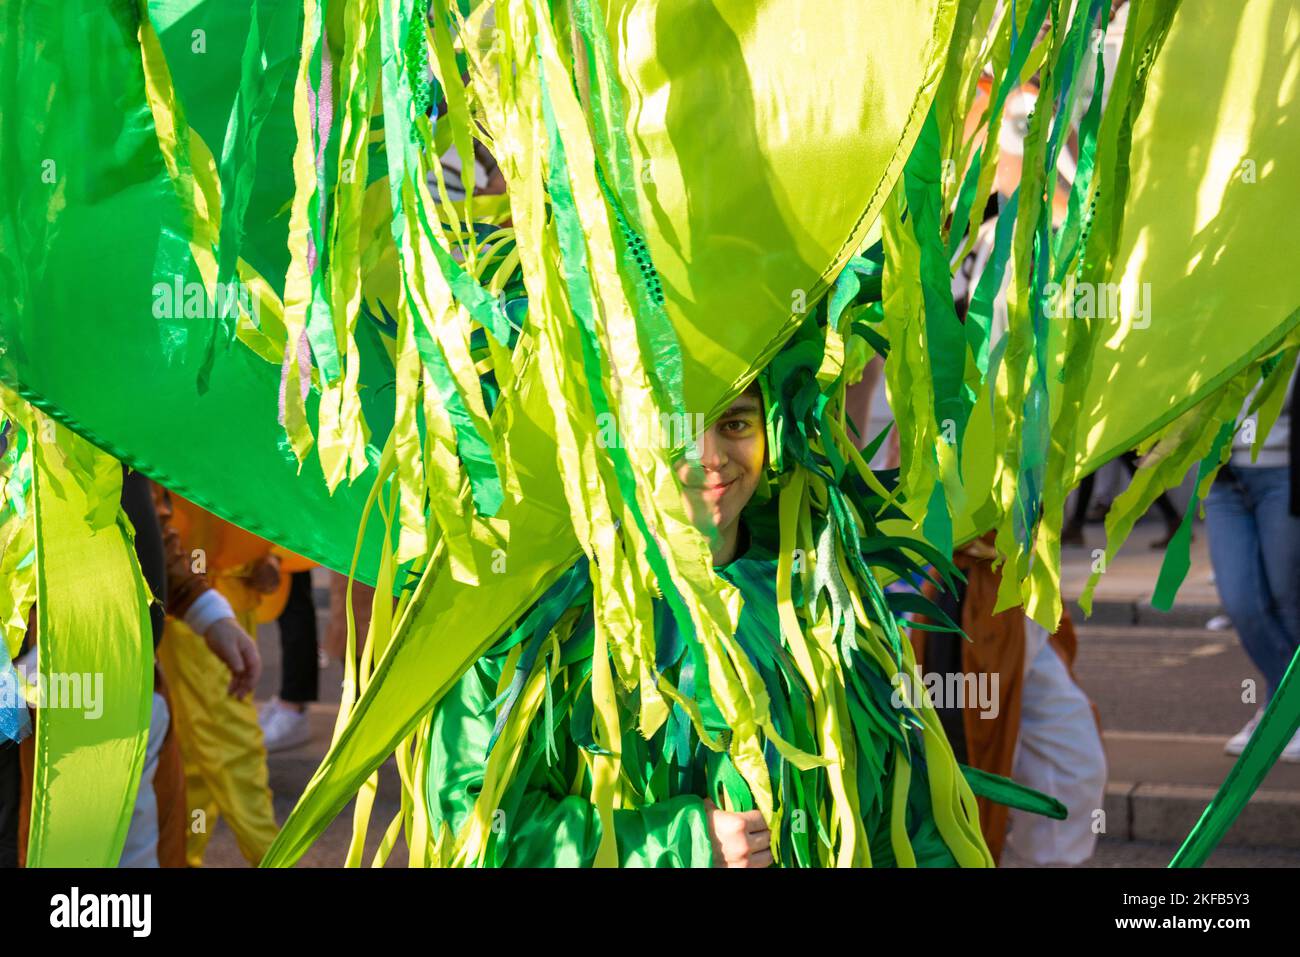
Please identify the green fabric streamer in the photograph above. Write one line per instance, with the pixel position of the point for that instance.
(979, 316)
(1020, 47)
(1276, 728)
(1002, 790)
(1178, 556)
(263, 67)
(609, 123)
(944, 336)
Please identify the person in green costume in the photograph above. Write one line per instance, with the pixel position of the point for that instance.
(545, 816)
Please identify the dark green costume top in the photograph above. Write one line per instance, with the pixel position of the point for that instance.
(546, 819)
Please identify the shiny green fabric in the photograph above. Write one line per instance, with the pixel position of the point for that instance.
(1206, 202)
(90, 223)
(546, 817)
(737, 141)
(95, 642)
(1217, 175)
(739, 224)
(752, 187)
(1188, 147)
(543, 825)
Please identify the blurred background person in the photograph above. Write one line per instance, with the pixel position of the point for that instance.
(1255, 550)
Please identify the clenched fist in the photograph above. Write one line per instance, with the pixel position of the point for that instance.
(739, 840)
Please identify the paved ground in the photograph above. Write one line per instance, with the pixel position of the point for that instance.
(1175, 680)
(289, 773)
(1148, 854)
(1169, 692)
(1130, 577)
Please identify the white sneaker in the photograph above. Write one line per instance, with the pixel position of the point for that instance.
(284, 727)
(1291, 753)
(1237, 743)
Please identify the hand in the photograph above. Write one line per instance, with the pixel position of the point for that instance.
(739, 840)
(264, 576)
(237, 652)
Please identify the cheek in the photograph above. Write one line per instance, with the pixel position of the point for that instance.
(750, 453)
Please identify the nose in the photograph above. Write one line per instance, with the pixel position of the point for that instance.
(712, 451)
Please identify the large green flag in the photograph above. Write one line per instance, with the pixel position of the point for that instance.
(107, 319)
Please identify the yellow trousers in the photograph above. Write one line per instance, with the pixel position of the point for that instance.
(221, 744)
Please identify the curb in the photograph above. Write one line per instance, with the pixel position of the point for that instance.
(1139, 611)
(1166, 814)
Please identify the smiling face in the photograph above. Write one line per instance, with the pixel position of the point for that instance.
(720, 474)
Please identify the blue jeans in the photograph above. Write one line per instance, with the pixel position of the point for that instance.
(1255, 550)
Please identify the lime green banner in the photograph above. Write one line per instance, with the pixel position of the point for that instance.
(96, 656)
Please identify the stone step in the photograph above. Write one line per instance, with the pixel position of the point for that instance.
(1161, 783)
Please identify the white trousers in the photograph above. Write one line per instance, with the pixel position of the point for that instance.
(1059, 752)
(141, 848)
